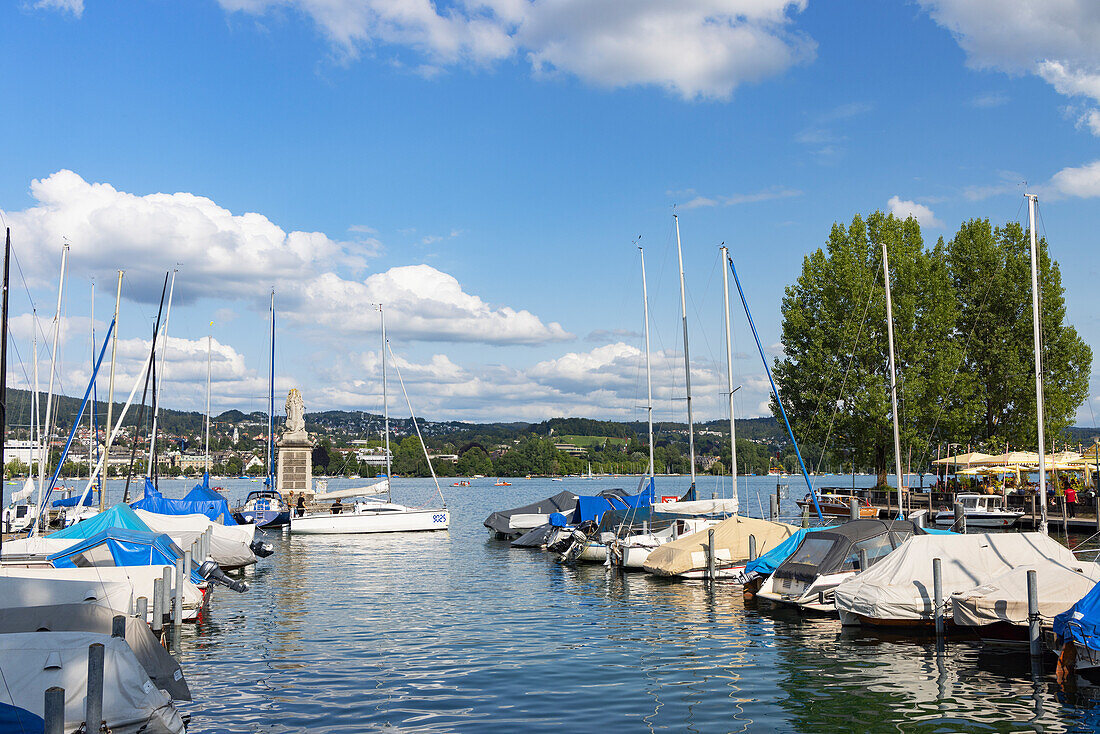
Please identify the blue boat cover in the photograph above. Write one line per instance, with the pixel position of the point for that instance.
(126, 548)
(765, 564)
(1081, 622)
(119, 516)
(15, 719)
(593, 508)
(201, 500)
(75, 500)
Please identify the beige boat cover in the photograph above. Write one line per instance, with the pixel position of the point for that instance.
(1004, 598)
(229, 544)
(899, 587)
(731, 545)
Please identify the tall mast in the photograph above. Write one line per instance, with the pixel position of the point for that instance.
(36, 419)
(729, 374)
(111, 399)
(648, 375)
(151, 467)
(893, 373)
(91, 413)
(271, 403)
(1032, 200)
(386, 407)
(4, 374)
(43, 460)
(687, 357)
(206, 449)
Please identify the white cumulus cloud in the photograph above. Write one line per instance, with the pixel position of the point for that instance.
(903, 209)
(1083, 181)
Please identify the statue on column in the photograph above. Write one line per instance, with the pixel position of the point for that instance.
(295, 413)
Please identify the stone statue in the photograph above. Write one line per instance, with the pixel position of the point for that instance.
(295, 412)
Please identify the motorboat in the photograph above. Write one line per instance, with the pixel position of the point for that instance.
(981, 511)
(898, 590)
(998, 610)
(264, 508)
(502, 484)
(370, 515)
(575, 536)
(1077, 636)
(838, 504)
(687, 557)
(825, 559)
(508, 524)
(633, 550)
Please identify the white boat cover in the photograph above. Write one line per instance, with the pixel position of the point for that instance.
(696, 508)
(21, 494)
(229, 544)
(31, 662)
(161, 667)
(731, 545)
(117, 587)
(381, 487)
(899, 587)
(37, 546)
(1004, 598)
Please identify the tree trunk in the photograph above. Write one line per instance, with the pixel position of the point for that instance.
(880, 464)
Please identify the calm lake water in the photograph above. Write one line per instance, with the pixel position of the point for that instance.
(454, 631)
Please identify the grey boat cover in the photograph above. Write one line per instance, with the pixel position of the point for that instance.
(561, 502)
(535, 538)
(162, 668)
(837, 549)
(1004, 597)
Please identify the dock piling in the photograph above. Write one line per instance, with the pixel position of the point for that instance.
(142, 611)
(166, 589)
(177, 593)
(752, 547)
(710, 554)
(1033, 618)
(960, 518)
(937, 592)
(863, 564)
(158, 605)
(773, 508)
(118, 626)
(853, 509)
(93, 705)
(54, 710)
(1097, 510)
(806, 516)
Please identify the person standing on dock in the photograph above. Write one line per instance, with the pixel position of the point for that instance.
(1071, 500)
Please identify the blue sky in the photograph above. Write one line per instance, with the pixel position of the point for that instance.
(484, 167)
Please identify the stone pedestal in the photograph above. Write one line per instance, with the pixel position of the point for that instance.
(295, 465)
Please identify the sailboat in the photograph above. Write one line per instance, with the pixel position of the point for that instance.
(372, 514)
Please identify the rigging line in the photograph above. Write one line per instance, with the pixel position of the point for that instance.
(844, 382)
(412, 415)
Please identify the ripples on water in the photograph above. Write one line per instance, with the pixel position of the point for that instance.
(453, 631)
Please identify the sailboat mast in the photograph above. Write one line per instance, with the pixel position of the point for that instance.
(385, 408)
(687, 357)
(44, 451)
(111, 398)
(648, 373)
(893, 374)
(150, 468)
(4, 374)
(271, 402)
(206, 447)
(1032, 200)
(91, 413)
(729, 374)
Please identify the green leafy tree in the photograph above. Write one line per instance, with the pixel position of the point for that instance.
(474, 461)
(834, 375)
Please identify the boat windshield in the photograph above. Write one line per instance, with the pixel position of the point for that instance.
(812, 551)
(876, 548)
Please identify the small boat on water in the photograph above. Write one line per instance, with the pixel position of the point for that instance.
(981, 511)
(502, 483)
(508, 524)
(686, 557)
(264, 508)
(463, 483)
(837, 503)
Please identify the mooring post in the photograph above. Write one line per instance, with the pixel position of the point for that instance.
(937, 592)
(920, 518)
(118, 626)
(778, 498)
(1033, 614)
(1033, 511)
(960, 518)
(1097, 510)
(158, 605)
(166, 589)
(863, 565)
(710, 554)
(54, 710)
(853, 509)
(806, 516)
(177, 593)
(93, 705)
(142, 611)
(752, 547)
(773, 508)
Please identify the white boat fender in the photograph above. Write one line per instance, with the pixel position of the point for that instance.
(261, 549)
(211, 571)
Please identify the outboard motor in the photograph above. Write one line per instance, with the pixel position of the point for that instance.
(211, 571)
(261, 549)
(575, 544)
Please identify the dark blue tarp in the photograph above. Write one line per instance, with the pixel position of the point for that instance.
(593, 508)
(1081, 622)
(201, 500)
(73, 501)
(125, 548)
(119, 516)
(765, 564)
(15, 719)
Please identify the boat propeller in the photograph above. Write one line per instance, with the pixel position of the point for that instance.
(261, 549)
(211, 571)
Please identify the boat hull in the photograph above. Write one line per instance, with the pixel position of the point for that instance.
(358, 523)
(980, 520)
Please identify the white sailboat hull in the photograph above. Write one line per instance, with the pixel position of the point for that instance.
(371, 521)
